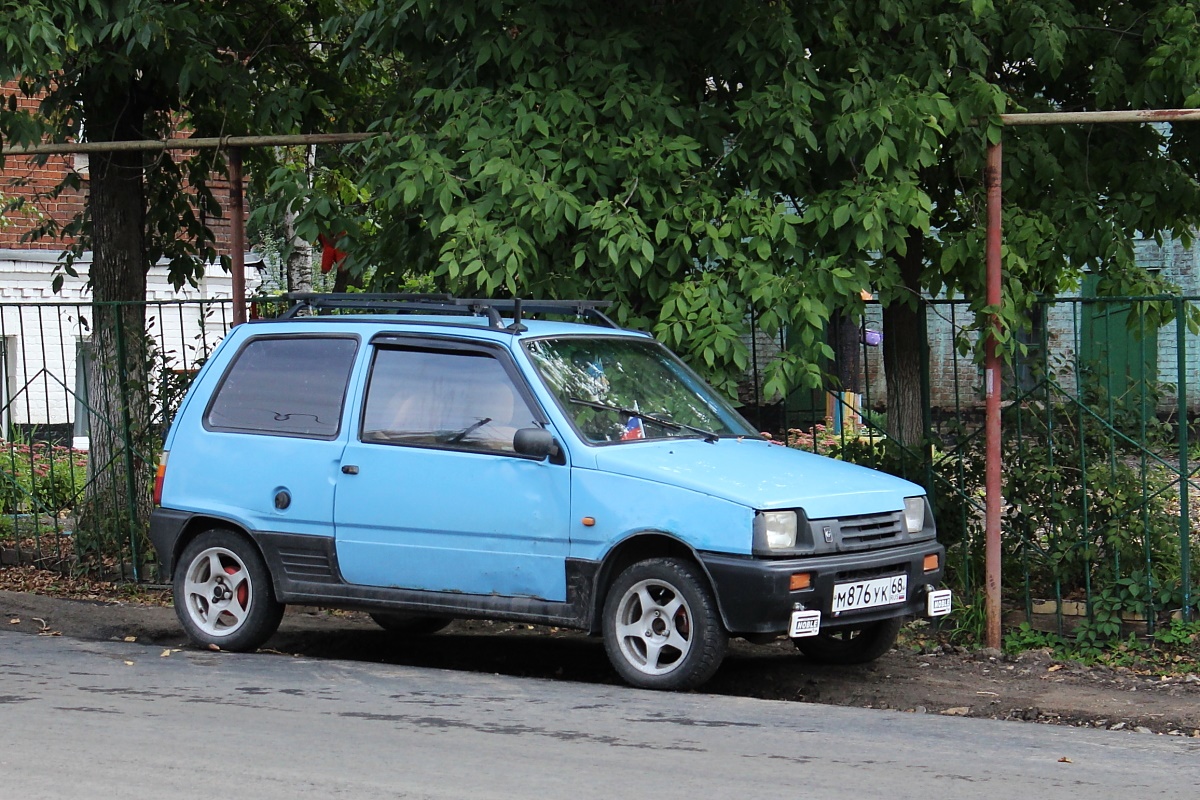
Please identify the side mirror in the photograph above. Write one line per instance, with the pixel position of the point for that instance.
(536, 442)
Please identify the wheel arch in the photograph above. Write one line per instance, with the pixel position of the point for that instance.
(639, 547)
(198, 524)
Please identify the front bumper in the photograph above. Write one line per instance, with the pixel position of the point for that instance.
(754, 595)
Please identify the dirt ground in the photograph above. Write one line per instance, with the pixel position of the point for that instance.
(917, 676)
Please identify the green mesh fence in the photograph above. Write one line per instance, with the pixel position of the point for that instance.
(82, 414)
(1099, 477)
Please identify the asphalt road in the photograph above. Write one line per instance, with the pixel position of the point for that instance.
(110, 719)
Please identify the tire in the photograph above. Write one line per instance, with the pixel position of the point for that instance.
(661, 626)
(223, 592)
(409, 624)
(851, 645)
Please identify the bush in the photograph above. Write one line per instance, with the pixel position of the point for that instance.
(39, 477)
(1090, 504)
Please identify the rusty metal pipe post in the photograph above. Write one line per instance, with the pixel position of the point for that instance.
(237, 245)
(992, 377)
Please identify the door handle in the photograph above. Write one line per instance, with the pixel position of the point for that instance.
(349, 469)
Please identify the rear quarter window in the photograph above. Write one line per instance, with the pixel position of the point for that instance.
(285, 386)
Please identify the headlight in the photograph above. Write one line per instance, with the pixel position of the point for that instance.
(914, 514)
(780, 529)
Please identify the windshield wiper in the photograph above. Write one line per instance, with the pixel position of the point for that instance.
(458, 436)
(708, 435)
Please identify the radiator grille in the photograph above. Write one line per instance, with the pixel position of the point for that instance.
(870, 530)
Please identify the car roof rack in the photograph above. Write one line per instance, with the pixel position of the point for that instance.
(321, 304)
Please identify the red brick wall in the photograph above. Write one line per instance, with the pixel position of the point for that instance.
(22, 178)
(39, 179)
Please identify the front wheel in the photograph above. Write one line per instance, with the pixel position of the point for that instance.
(661, 626)
(223, 593)
(852, 645)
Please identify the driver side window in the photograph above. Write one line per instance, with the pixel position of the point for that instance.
(435, 398)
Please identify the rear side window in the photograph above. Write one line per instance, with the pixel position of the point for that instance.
(292, 386)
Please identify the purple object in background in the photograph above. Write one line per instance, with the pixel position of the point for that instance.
(872, 338)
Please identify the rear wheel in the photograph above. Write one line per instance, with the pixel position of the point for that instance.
(661, 626)
(851, 645)
(223, 593)
(409, 624)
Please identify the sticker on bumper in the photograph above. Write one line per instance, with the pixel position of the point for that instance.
(804, 623)
(938, 603)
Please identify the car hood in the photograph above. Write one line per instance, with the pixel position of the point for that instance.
(761, 475)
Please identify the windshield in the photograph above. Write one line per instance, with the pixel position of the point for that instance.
(620, 389)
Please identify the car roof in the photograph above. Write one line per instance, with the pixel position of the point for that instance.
(470, 326)
(505, 319)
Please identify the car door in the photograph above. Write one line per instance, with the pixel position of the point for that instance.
(432, 495)
(269, 445)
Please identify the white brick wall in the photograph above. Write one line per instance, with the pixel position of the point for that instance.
(42, 330)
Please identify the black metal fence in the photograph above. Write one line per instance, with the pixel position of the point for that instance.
(1100, 456)
(59, 506)
(1100, 465)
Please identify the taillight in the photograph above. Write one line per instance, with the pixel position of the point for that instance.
(158, 477)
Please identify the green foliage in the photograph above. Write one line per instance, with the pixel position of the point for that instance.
(1090, 509)
(1179, 637)
(966, 624)
(1103, 626)
(699, 164)
(595, 151)
(40, 478)
(1026, 637)
(1090, 513)
(144, 69)
(1172, 649)
(169, 376)
(706, 164)
(13, 494)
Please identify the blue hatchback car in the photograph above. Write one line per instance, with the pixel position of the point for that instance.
(430, 458)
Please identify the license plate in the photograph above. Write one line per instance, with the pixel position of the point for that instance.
(805, 623)
(870, 594)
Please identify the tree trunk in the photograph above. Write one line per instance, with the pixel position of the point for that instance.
(902, 353)
(122, 444)
(298, 271)
(300, 257)
(845, 331)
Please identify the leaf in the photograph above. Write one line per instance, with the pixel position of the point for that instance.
(872, 162)
(841, 215)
